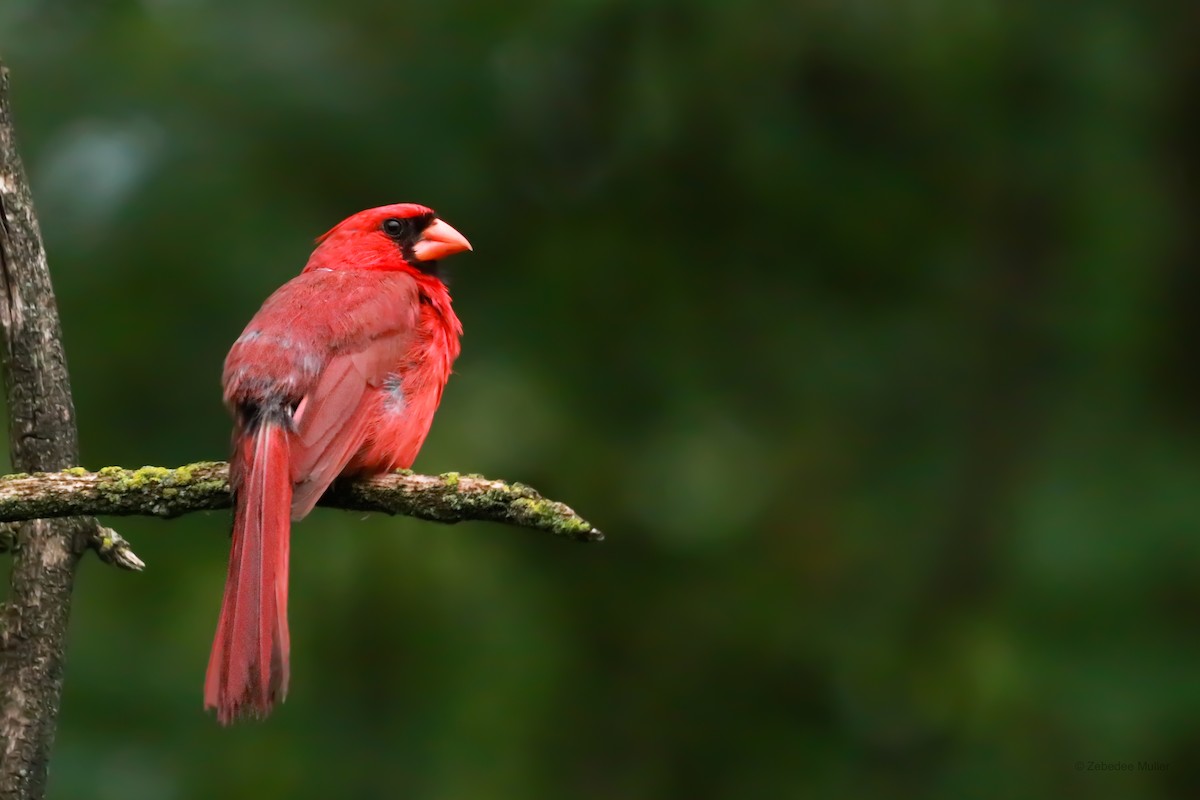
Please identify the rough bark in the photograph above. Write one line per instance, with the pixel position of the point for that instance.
(42, 436)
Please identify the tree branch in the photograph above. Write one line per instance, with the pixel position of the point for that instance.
(162, 492)
(42, 436)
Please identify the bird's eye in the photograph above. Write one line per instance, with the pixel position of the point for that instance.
(393, 227)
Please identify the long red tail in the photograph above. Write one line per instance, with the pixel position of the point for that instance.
(248, 667)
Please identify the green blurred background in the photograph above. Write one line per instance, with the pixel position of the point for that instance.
(865, 330)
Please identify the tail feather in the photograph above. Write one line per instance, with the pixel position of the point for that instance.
(248, 667)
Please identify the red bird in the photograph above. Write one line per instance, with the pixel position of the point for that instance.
(339, 373)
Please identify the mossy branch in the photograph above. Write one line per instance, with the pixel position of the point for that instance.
(204, 485)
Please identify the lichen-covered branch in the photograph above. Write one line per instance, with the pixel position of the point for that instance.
(162, 492)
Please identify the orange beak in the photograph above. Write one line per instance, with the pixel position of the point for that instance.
(438, 241)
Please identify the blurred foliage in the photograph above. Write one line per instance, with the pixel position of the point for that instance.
(863, 329)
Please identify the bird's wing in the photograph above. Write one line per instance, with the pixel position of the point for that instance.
(332, 420)
(318, 345)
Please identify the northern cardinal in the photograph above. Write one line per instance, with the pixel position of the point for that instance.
(339, 373)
